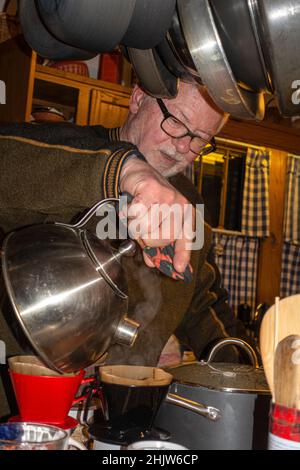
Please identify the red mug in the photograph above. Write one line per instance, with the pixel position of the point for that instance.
(47, 399)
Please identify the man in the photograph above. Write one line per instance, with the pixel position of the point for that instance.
(53, 172)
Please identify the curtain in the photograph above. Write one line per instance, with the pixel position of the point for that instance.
(290, 270)
(255, 211)
(292, 201)
(236, 258)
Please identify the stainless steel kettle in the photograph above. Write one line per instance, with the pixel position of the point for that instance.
(68, 291)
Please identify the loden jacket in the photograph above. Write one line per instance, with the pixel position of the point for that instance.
(53, 172)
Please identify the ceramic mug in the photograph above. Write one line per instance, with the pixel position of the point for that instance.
(155, 445)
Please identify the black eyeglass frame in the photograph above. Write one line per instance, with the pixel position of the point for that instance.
(166, 114)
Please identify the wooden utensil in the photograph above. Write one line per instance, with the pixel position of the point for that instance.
(287, 372)
(274, 328)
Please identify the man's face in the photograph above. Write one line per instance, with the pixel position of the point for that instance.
(166, 154)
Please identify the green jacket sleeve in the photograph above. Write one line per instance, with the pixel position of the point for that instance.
(39, 179)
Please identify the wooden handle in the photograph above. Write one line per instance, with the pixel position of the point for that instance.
(287, 372)
(288, 324)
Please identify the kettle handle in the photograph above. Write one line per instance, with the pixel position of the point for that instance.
(85, 219)
(236, 342)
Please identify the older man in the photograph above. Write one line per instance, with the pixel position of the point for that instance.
(52, 172)
(170, 138)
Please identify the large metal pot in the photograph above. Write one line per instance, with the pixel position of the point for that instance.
(236, 398)
(68, 291)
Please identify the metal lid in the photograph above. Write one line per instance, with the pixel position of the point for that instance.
(222, 376)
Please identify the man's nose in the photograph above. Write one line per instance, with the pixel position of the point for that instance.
(182, 144)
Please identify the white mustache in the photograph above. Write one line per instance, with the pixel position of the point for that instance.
(174, 156)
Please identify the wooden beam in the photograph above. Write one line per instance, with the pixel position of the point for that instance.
(17, 73)
(270, 251)
(266, 134)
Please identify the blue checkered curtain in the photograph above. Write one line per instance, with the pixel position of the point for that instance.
(290, 270)
(255, 211)
(292, 201)
(236, 258)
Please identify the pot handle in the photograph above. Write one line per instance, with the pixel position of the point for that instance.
(207, 411)
(84, 220)
(236, 342)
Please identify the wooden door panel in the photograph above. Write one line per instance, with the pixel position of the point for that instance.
(108, 109)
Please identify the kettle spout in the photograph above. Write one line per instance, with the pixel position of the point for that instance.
(126, 332)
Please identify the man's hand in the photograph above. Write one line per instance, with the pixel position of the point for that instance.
(158, 213)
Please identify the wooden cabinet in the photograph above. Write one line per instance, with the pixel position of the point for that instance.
(90, 101)
(108, 107)
(87, 100)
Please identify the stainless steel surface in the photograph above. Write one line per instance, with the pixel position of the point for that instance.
(67, 309)
(278, 25)
(153, 74)
(177, 42)
(89, 214)
(234, 342)
(212, 64)
(127, 248)
(208, 411)
(231, 378)
(254, 18)
(106, 262)
(126, 331)
(171, 61)
(104, 259)
(238, 35)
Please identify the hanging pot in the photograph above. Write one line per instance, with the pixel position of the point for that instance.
(41, 40)
(149, 23)
(177, 43)
(154, 77)
(95, 25)
(213, 65)
(68, 291)
(278, 28)
(170, 60)
(241, 44)
(235, 399)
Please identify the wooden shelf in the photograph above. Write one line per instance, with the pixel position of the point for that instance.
(55, 94)
(77, 81)
(91, 101)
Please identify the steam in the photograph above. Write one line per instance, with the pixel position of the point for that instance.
(150, 283)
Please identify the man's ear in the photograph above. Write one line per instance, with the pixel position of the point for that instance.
(136, 99)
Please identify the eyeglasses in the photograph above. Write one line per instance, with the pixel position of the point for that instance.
(177, 130)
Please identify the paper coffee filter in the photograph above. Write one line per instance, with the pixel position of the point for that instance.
(31, 365)
(134, 375)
